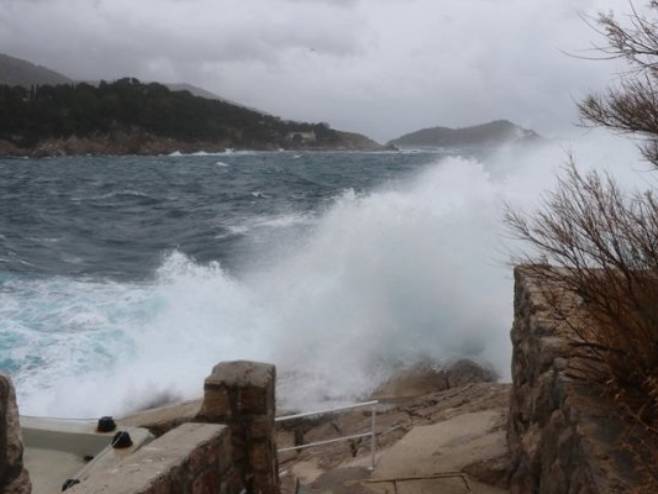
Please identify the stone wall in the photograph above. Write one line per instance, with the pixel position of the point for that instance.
(191, 459)
(564, 437)
(13, 477)
(241, 395)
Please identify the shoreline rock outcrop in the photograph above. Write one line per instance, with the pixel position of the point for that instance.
(146, 144)
(428, 377)
(14, 479)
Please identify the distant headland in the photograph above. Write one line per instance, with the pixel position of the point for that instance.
(44, 113)
(489, 134)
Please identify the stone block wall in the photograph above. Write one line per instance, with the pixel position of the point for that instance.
(13, 477)
(241, 395)
(564, 437)
(191, 459)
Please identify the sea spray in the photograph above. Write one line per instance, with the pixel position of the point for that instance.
(375, 280)
(381, 278)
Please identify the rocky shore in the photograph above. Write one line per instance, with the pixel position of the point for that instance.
(424, 412)
(141, 143)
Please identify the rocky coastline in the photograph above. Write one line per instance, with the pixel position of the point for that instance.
(146, 144)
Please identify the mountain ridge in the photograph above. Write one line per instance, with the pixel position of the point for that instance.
(486, 134)
(19, 72)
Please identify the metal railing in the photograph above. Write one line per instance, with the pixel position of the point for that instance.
(373, 438)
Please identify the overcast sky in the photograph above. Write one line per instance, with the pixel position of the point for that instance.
(381, 67)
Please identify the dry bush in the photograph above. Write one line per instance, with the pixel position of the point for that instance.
(603, 246)
(631, 106)
(596, 243)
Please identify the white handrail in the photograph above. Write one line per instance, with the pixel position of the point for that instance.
(326, 441)
(328, 410)
(371, 434)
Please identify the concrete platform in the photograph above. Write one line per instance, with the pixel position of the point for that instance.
(57, 450)
(449, 446)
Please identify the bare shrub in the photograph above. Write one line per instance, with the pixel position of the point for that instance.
(591, 240)
(631, 106)
(602, 246)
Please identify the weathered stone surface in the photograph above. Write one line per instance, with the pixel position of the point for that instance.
(162, 419)
(466, 440)
(188, 459)
(429, 377)
(464, 371)
(242, 374)
(13, 477)
(395, 419)
(564, 436)
(241, 395)
(19, 485)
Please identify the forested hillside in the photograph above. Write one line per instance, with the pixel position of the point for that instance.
(30, 116)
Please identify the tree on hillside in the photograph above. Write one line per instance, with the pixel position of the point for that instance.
(605, 244)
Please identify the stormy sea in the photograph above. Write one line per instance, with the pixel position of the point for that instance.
(123, 280)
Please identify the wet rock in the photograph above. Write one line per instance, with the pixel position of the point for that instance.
(13, 477)
(464, 371)
(428, 377)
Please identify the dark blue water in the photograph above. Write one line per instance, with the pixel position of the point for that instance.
(114, 217)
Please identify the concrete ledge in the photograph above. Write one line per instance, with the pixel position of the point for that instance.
(193, 458)
(58, 450)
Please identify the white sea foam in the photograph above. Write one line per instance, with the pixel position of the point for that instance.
(381, 279)
(269, 222)
(226, 152)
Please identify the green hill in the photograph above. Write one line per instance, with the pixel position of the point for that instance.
(147, 118)
(488, 134)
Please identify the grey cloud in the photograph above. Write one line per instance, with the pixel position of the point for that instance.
(382, 67)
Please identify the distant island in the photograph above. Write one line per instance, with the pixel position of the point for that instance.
(485, 135)
(43, 113)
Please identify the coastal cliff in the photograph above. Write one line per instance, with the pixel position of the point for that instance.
(144, 143)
